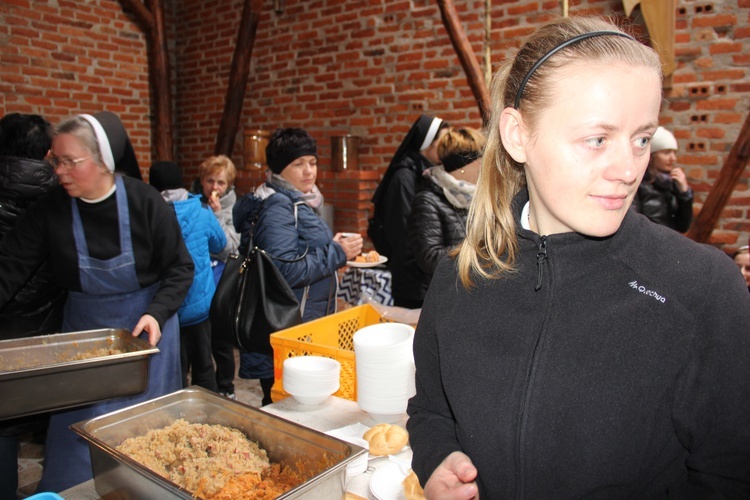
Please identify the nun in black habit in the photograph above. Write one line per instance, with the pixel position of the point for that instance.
(392, 200)
(117, 247)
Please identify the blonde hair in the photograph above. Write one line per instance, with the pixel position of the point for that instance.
(490, 248)
(214, 164)
(461, 140)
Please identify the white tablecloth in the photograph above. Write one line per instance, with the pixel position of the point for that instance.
(333, 414)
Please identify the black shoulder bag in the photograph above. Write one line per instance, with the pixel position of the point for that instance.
(253, 300)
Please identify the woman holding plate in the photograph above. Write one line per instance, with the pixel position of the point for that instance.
(283, 218)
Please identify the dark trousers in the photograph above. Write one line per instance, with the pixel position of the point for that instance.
(8, 467)
(10, 434)
(195, 355)
(223, 352)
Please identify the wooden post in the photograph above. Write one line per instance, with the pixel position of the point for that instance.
(160, 82)
(151, 20)
(230, 118)
(717, 198)
(466, 55)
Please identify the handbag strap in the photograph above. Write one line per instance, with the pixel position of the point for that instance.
(252, 248)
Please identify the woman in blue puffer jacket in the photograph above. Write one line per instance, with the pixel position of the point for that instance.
(203, 235)
(287, 224)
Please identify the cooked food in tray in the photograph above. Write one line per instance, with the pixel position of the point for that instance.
(212, 461)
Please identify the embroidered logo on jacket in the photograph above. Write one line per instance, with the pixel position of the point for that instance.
(645, 291)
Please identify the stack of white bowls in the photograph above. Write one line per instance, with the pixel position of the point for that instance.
(311, 379)
(385, 370)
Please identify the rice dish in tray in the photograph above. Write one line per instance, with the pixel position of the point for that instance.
(201, 458)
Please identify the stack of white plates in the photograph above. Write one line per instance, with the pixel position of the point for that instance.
(385, 369)
(311, 379)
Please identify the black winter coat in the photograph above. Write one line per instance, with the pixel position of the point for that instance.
(662, 203)
(37, 308)
(409, 281)
(435, 226)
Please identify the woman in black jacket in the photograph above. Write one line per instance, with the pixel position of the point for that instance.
(392, 200)
(437, 221)
(25, 176)
(574, 349)
(664, 195)
(37, 309)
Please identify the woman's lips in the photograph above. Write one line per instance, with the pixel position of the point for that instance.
(615, 202)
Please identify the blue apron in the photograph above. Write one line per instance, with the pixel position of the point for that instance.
(111, 298)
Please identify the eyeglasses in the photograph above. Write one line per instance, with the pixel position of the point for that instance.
(68, 163)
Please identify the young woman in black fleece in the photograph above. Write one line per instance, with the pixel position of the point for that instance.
(572, 348)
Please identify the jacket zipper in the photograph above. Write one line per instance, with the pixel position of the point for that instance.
(541, 256)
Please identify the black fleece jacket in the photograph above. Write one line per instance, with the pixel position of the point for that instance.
(601, 368)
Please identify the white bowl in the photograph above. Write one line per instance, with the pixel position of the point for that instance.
(311, 400)
(386, 418)
(384, 338)
(312, 366)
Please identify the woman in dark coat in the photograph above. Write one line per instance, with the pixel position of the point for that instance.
(37, 308)
(24, 176)
(664, 195)
(437, 221)
(392, 200)
(283, 218)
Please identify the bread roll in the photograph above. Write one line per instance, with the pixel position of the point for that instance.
(386, 439)
(412, 489)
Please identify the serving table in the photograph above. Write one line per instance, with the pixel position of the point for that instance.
(332, 414)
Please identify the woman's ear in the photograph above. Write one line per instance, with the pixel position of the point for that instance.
(512, 134)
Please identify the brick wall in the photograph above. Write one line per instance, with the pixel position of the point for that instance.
(362, 67)
(59, 58)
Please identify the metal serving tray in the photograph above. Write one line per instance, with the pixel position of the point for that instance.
(39, 374)
(285, 442)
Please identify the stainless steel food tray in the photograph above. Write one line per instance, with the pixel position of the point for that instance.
(285, 442)
(39, 374)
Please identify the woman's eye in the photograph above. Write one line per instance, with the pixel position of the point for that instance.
(642, 142)
(595, 142)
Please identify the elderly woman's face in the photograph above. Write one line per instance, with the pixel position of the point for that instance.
(88, 178)
(301, 173)
(590, 149)
(215, 182)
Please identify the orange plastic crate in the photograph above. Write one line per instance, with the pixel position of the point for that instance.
(330, 336)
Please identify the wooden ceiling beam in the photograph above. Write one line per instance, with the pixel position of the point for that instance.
(706, 220)
(466, 56)
(243, 51)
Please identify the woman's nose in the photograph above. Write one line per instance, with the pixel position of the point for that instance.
(625, 166)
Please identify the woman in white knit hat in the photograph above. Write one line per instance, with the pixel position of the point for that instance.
(664, 195)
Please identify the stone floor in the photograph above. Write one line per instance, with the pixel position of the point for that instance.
(31, 449)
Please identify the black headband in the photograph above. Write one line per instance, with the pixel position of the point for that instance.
(556, 50)
(454, 161)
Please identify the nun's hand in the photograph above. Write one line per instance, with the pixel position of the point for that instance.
(148, 324)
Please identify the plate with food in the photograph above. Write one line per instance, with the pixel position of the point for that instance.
(369, 259)
(392, 482)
